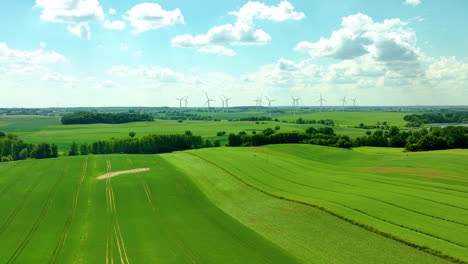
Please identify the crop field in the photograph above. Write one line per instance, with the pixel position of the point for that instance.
(274, 204)
(36, 129)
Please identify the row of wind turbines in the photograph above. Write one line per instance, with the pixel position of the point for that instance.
(259, 102)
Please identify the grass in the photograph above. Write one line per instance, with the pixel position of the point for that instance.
(59, 213)
(369, 205)
(418, 199)
(35, 129)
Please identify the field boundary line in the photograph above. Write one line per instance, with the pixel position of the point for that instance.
(41, 217)
(66, 229)
(426, 249)
(188, 253)
(221, 227)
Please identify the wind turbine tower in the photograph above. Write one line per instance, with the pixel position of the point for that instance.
(354, 102)
(344, 102)
(208, 100)
(180, 102)
(186, 101)
(227, 101)
(321, 100)
(269, 104)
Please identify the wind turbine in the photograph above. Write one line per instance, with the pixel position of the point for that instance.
(223, 101)
(269, 104)
(295, 103)
(321, 100)
(186, 101)
(354, 101)
(344, 102)
(208, 100)
(227, 101)
(258, 102)
(180, 102)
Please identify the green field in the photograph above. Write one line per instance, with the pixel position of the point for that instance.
(36, 129)
(274, 204)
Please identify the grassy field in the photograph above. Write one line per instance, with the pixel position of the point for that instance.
(37, 129)
(221, 206)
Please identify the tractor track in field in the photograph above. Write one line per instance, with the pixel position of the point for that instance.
(426, 249)
(39, 220)
(421, 185)
(169, 229)
(8, 187)
(369, 198)
(195, 202)
(66, 229)
(113, 229)
(22, 202)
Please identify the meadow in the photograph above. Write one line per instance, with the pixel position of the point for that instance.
(272, 204)
(36, 129)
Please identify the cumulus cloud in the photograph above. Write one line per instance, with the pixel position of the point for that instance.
(284, 11)
(112, 11)
(413, 2)
(42, 44)
(391, 40)
(114, 25)
(219, 50)
(138, 52)
(154, 72)
(81, 30)
(149, 16)
(123, 47)
(242, 32)
(13, 56)
(447, 69)
(80, 12)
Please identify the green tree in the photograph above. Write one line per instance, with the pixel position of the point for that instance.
(132, 134)
(84, 149)
(73, 149)
(24, 153)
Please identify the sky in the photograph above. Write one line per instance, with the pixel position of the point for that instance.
(58, 53)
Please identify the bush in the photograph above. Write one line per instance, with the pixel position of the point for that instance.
(7, 158)
(131, 134)
(277, 128)
(221, 133)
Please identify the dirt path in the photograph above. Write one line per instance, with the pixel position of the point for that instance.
(112, 174)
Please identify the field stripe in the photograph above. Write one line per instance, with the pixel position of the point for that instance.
(196, 203)
(169, 229)
(113, 230)
(432, 251)
(13, 182)
(41, 217)
(66, 229)
(22, 202)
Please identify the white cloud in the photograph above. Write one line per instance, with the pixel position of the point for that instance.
(79, 12)
(154, 72)
(42, 44)
(12, 56)
(413, 2)
(112, 11)
(148, 16)
(138, 52)
(447, 69)
(57, 77)
(389, 41)
(219, 50)
(81, 30)
(242, 32)
(114, 25)
(284, 11)
(123, 47)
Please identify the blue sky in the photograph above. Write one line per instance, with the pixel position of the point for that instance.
(127, 53)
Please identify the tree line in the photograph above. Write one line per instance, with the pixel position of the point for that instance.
(416, 120)
(321, 136)
(106, 118)
(150, 144)
(11, 148)
(418, 140)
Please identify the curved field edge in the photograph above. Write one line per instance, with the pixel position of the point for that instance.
(70, 227)
(331, 210)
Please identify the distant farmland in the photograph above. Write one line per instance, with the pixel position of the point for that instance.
(274, 204)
